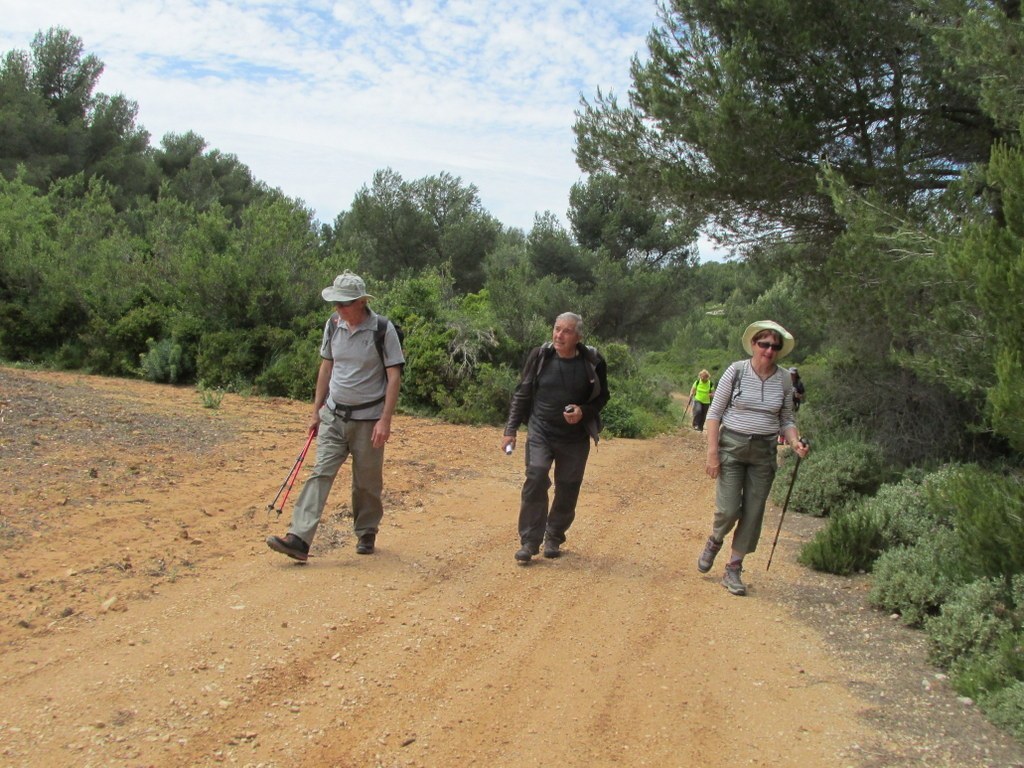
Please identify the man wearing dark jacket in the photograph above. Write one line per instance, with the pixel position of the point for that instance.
(562, 389)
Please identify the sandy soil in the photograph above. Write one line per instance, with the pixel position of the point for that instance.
(146, 623)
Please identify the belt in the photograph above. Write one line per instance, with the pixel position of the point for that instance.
(344, 412)
(742, 436)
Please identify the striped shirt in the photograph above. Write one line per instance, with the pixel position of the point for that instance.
(754, 407)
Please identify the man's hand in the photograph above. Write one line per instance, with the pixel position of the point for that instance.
(381, 432)
(573, 414)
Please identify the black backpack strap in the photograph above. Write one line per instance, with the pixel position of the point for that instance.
(379, 334)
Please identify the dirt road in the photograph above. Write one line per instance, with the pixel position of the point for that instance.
(147, 624)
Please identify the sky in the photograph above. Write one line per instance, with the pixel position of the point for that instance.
(316, 96)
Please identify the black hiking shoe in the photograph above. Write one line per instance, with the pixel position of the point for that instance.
(526, 552)
(290, 545)
(552, 548)
(365, 544)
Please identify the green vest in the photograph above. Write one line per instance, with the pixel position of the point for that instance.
(703, 390)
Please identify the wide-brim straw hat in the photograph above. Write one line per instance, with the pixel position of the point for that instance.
(788, 342)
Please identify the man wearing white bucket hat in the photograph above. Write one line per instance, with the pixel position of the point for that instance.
(754, 405)
(356, 395)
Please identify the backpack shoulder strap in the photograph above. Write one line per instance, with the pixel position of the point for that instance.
(740, 369)
(379, 334)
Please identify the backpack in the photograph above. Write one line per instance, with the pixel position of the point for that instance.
(381, 332)
(787, 382)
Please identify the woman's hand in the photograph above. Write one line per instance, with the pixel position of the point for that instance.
(712, 465)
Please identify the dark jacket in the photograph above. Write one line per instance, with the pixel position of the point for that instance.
(522, 398)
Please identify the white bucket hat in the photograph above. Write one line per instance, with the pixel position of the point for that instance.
(346, 287)
(788, 342)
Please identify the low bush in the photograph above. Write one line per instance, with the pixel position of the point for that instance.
(481, 400)
(984, 673)
(832, 477)
(233, 360)
(851, 542)
(1005, 708)
(164, 363)
(899, 513)
(916, 580)
(972, 621)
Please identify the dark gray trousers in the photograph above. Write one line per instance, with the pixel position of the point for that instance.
(536, 521)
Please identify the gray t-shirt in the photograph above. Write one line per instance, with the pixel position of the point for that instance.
(358, 374)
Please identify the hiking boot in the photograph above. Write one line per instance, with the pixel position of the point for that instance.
(526, 552)
(290, 545)
(365, 544)
(732, 581)
(707, 556)
(552, 548)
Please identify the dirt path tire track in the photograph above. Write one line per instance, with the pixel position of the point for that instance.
(436, 651)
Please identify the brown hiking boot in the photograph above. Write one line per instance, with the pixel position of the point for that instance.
(732, 581)
(707, 555)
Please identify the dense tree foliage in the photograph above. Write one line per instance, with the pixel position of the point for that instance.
(399, 228)
(840, 142)
(739, 105)
(53, 123)
(174, 263)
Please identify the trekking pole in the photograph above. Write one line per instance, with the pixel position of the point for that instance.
(784, 505)
(290, 480)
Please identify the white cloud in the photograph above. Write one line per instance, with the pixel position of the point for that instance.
(315, 96)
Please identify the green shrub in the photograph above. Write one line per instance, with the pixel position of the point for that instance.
(621, 419)
(988, 509)
(832, 477)
(481, 400)
(211, 398)
(851, 542)
(292, 372)
(901, 513)
(233, 360)
(164, 362)
(981, 674)
(641, 402)
(916, 580)
(971, 621)
(1005, 708)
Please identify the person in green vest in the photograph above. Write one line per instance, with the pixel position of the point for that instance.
(701, 392)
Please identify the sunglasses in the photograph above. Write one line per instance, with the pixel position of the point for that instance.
(768, 345)
(345, 303)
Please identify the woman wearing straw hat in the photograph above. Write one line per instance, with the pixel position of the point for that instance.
(754, 405)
